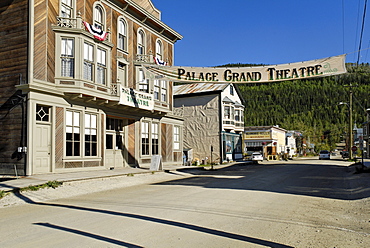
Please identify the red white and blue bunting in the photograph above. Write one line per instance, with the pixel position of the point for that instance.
(97, 32)
(158, 61)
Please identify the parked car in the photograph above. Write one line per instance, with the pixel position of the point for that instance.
(324, 154)
(257, 156)
(345, 154)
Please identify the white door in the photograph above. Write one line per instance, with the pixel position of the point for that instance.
(42, 148)
(114, 150)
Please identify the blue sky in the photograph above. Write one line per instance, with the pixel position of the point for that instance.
(218, 32)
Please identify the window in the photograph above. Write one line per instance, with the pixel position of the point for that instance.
(121, 73)
(155, 139)
(43, 113)
(67, 57)
(237, 115)
(141, 42)
(160, 90)
(231, 90)
(158, 49)
(164, 91)
(122, 39)
(90, 135)
(176, 138)
(73, 137)
(66, 9)
(88, 61)
(145, 138)
(143, 83)
(227, 112)
(101, 67)
(99, 17)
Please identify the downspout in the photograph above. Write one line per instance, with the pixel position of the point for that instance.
(31, 21)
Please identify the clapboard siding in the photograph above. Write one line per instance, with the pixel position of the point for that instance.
(39, 56)
(13, 69)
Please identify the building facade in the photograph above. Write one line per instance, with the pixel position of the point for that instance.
(213, 120)
(269, 140)
(73, 95)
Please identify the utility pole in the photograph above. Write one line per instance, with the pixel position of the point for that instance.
(350, 123)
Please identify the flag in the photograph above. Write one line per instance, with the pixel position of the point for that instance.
(97, 32)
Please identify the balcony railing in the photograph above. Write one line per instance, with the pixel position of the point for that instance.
(65, 22)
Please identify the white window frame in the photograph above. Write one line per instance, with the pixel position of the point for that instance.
(99, 17)
(101, 66)
(88, 67)
(73, 126)
(67, 8)
(143, 82)
(122, 34)
(176, 137)
(91, 131)
(145, 139)
(141, 42)
(155, 138)
(67, 57)
(159, 49)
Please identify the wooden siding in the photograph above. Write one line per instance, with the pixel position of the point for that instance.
(167, 142)
(131, 143)
(13, 71)
(40, 40)
(59, 137)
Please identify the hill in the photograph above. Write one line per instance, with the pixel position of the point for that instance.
(311, 106)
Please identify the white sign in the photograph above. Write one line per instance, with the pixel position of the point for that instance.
(260, 74)
(137, 99)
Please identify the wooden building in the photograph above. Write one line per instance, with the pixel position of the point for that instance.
(73, 95)
(213, 120)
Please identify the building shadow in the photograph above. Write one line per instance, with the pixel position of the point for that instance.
(89, 235)
(326, 181)
(170, 223)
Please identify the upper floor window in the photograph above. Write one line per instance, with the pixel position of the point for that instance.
(141, 42)
(227, 112)
(158, 50)
(67, 57)
(143, 82)
(231, 90)
(122, 39)
(101, 66)
(66, 9)
(99, 17)
(160, 90)
(88, 61)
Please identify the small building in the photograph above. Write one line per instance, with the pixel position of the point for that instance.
(269, 140)
(291, 143)
(213, 120)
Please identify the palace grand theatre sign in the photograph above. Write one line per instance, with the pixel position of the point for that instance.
(262, 74)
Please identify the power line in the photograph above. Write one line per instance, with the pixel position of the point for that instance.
(362, 32)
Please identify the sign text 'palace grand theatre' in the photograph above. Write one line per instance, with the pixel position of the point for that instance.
(261, 74)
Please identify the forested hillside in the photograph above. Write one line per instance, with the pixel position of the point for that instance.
(311, 106)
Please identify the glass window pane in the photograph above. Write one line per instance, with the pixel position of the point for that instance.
(87, 120)
(76, 119)
(93, 121)
(69, 118)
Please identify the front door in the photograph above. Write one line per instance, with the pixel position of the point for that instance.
(114, 141)
(42, 146)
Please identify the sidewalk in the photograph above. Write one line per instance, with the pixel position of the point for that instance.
(8, 184)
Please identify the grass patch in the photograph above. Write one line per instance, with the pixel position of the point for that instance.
(50, 184)
(2, 193)
(130, 174)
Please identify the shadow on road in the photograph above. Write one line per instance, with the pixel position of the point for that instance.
(318, 180)
(145, 218)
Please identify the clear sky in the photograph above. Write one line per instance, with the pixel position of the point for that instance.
(218, 32)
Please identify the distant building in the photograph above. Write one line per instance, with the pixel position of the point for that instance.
(213, 119)
(73, 95)
(269, 140)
